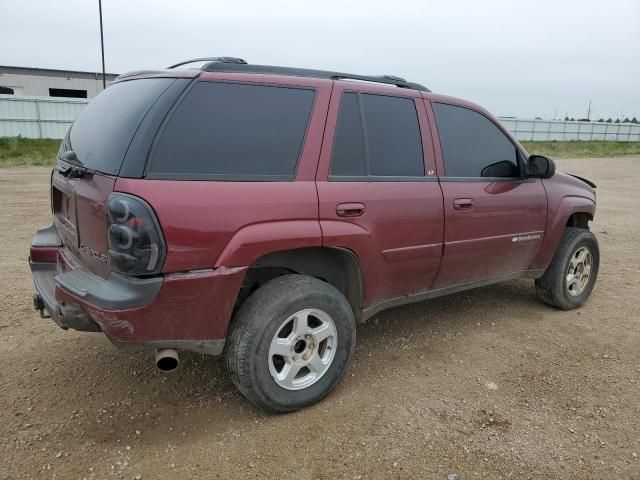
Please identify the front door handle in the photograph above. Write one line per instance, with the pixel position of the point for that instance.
(350, 209)
(463, 203)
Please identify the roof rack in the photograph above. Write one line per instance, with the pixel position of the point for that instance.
(210, 59)
(238, 65)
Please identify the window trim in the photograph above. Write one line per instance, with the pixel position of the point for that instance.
(148, 172)
(380, 178)
(367, 162)
(521, 157)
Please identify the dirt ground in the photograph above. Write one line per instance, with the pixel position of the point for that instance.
(484, 384)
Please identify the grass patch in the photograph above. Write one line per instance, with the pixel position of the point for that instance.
(577, 149)
(19, 151)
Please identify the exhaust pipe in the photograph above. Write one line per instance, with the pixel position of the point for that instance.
(167, 359)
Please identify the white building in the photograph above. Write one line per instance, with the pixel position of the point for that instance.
(43, 82)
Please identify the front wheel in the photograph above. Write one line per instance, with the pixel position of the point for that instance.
(570, 278)
(290, 343)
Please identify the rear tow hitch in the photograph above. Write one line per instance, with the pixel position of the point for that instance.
(38, 304)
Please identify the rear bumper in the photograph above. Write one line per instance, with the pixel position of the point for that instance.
(189, 310)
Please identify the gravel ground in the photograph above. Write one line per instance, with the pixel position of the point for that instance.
(483, 384)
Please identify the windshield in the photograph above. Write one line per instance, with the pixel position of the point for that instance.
(103, 131)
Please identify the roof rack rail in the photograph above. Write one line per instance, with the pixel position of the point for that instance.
(235, 60)
(132, 74)
(236, 65)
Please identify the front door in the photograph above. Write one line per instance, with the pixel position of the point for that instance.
(494, 217)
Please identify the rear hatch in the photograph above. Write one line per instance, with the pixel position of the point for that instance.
(93, 155)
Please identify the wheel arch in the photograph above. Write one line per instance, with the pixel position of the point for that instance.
(337, 266)
(579, 219)
(572, 211)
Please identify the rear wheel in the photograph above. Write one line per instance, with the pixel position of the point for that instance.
(290, 343)
(570, 278)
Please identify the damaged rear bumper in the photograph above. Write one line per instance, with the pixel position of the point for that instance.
(189, 310)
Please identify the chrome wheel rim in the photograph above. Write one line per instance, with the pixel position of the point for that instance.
(302, 349)
(579, 271)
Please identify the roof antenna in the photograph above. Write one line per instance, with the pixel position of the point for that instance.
(104, 80)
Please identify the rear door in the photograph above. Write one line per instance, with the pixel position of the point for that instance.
(494, 217)
(377, 188)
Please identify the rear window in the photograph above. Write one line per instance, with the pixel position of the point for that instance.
(234, 131)
(103, 131)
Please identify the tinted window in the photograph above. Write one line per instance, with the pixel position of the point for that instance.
(103, 131)
(393, 136)
(377, 135)
(348, 145)
(472, 145)
(231, 130)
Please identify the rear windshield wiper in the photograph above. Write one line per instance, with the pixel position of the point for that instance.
(76, 170)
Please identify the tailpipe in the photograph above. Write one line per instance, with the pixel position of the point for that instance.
(167, 359)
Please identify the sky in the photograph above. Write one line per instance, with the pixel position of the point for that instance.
(525, 59)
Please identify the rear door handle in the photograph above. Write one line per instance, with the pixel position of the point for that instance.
(463, 203)
(350, 209)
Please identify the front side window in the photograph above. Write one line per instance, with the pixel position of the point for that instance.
(377, 136)
(472, 145)
(234, 131)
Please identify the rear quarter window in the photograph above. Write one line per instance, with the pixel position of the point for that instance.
(233, 131)
(103, 131)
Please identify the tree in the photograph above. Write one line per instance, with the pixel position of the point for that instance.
(609, 120)
(601, 120)
(566, 119)
(572, 119)
(634, 120)
(617, 120)
(626, 120)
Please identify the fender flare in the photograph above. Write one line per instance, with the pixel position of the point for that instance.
(253, 241)
(556, 222)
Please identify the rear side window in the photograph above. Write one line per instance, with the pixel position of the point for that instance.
(472, 145)
(234, 131)
(348, 145)
(103, 131)
(377, 136)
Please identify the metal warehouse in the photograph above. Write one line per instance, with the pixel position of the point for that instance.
(43, 82)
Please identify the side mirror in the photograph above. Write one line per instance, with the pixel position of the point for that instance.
(539, 166)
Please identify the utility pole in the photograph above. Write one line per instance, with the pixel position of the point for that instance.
(104, 80)
(589, 111)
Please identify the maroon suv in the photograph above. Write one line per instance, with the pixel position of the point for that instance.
(268, 210)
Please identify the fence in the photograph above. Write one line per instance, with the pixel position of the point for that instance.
(38, 117)
(561, 130)
(46, 117)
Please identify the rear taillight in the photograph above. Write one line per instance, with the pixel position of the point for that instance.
(136, 246)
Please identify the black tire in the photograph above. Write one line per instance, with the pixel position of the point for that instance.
(552, 287)
(255, 325)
